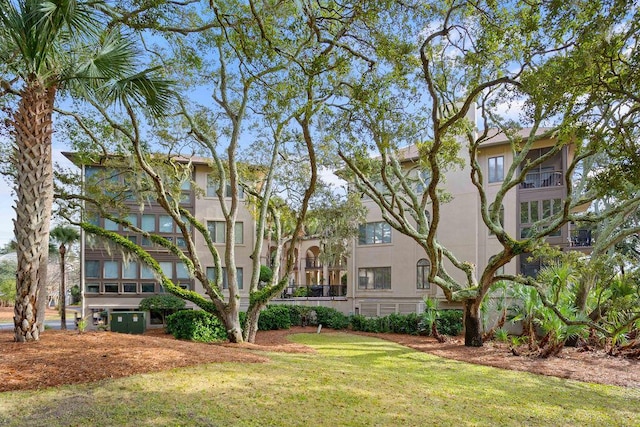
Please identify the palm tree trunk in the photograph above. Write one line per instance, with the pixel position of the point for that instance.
(32, 159)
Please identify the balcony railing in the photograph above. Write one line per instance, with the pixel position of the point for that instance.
(315, 291)
(582, 238)
(310, 263)
(543, 179)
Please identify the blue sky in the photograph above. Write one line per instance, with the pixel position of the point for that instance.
(7, 200)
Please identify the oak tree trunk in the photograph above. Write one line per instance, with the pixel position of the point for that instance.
(472, 323)
(232, 323)
(32, 160)
(251, 324)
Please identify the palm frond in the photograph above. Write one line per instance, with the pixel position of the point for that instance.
(144, 89)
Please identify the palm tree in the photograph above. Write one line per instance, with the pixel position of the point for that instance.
(65, 237)
(48, 46)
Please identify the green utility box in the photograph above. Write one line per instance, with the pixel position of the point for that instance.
(128, 322)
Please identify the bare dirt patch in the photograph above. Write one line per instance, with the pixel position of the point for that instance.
(67, 357)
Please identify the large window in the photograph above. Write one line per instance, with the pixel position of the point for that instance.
(374, 233)
(218, 231)
(374, 278)
(148, 222)
(211, 275)
(423, 266)
(496, 169)
(92, 269)
(182, 272)
(165, 224)
(535, 210)
(167, 268)
(130, 270)
(212, 187)
(110, 270)
(146, 272)
(110, 225)
(133, 219)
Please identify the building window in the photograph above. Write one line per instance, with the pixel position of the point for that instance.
(110, 270)
(374, 278)
(496, 169)
(110, 288)
(148, 288)
(130, 270)
(167, 268)
(535, 210)
(110, 225)
(212, 187)
(148, 222)
(423, 266)
(529, 266)
(218, 231)
(129, 288)
(92, 288)
(92, 269)
(146, 272)
(182, 272)
(132, 219)
(211, 275)
(165, 224)
(374, 233)
(227, 191)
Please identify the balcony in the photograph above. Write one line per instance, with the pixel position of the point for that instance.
(315, 291)
(582, 238)
(543, 179)
(312, 263)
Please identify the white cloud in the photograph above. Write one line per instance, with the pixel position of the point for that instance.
(328, 177)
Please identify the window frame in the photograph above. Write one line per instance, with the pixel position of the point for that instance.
(374, 233)
(375, 273)
(495, 164)
(423, 266)
(220, 236)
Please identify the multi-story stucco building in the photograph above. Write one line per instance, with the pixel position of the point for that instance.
(386, 271)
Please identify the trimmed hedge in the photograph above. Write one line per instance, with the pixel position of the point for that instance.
(284, 316)
(396, 323)
(274, 317)
(196, 325)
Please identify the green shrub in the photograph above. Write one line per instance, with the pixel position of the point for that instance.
(266, 274)
(450, 322)
(298, 313)
(330, 317)
(404, 323)
(301, 292)
(364, 324)
(274, 317)
(162, 302)
(195, 325)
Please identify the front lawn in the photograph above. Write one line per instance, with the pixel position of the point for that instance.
(351, 380)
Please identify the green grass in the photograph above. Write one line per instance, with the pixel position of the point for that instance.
(351, 381)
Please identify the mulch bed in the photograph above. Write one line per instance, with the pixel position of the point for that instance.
(67, 357)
